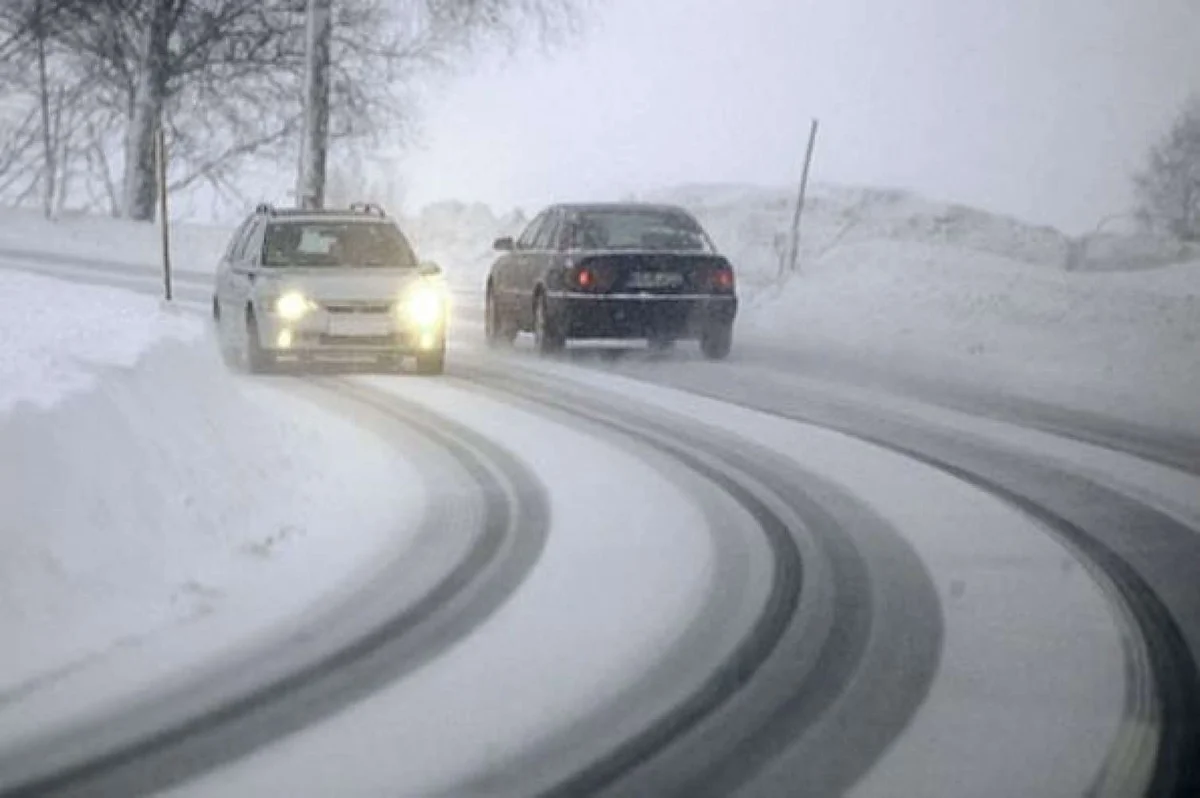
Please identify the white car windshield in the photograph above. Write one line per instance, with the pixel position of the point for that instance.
(336, 244)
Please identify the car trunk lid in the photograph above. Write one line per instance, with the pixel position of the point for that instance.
(653, 273)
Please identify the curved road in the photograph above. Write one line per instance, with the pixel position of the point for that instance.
(964, 596)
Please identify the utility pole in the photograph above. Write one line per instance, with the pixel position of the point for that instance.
(314, 144)
(794, 247)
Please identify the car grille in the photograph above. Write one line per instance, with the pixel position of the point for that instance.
(358, 307)
(360, 340)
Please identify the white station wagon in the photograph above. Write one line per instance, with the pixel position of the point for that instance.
(296, 286)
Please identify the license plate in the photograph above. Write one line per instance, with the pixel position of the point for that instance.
(365, 325)
(655, 280)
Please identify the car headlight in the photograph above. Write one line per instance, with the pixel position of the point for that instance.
(293, 306)
(424, 306)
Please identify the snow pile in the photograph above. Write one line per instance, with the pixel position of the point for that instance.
(752, 225)
(1109, 252)
(143, 486)
(1117, 341)
(61, 341)
(193, 247)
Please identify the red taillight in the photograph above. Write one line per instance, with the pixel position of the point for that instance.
(722, 279)
(585, 278)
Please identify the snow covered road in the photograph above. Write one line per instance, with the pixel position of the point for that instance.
(751, 580)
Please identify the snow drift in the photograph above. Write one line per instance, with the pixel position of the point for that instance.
(142, 486)
(1123, 343)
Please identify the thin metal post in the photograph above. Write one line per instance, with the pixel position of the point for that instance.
(794, 247)
(160, 168)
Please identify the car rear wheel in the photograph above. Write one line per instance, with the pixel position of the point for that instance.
(716, 341)
(499, 330)
(547, 337)
(660, 343)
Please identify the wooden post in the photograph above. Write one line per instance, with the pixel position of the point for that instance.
(160, 168)
(794, 248)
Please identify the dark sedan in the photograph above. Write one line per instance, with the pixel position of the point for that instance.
(617, 271)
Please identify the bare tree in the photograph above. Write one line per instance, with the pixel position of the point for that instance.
(225, 78)
(1169, 186)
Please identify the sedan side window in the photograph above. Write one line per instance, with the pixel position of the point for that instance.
(547, 235)
(527, 237)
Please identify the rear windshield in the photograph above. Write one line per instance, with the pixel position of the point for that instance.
(334, 243)
(636, 229)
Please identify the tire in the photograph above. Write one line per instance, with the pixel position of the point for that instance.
(257, 359)
(498, 330)
(716, 341)
(432, 363)
(548, 339)
(660, 344)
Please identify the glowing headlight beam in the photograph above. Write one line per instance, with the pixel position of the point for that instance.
(292, 306)
(424, 307)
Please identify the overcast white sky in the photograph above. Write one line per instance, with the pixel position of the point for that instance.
(1037, 108)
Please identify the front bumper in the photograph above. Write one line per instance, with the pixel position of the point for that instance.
(581, 315)
(322, 333)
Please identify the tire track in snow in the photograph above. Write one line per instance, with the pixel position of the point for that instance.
(368, 641)
(828, 615)
(1143, 559)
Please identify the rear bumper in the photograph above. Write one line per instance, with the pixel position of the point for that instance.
(581, 315)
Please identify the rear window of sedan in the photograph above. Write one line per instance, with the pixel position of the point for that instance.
(336, 243)
(636, 229)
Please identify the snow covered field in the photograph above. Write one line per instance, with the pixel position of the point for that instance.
(145, 489)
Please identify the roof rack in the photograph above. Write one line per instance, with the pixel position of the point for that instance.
(369, 208)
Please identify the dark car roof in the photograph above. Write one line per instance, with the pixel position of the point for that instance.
(585, 207)
(291, 216)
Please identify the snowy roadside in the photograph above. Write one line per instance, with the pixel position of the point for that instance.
(194, 248)
(1125, 344)
(146, 489)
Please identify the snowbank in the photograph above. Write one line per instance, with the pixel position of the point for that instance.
(144, 487)
(193, 247)
(751, 225)
(1125, 343)
(54, 342)
(1130, 251)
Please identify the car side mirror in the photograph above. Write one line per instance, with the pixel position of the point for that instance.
(429, 269)
(504, 244)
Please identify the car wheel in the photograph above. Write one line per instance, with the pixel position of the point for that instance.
(257, 359)
(433, 362)
(661, 343)
(547, 337)
(716, 341)
(498, 330)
